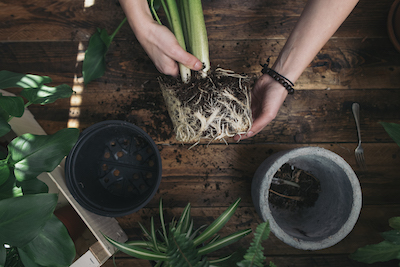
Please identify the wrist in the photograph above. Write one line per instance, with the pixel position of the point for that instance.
(278, 78)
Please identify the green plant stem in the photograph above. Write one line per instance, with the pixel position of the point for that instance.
(198, 34)
(153, 10)
(176, 27)
(117, 29)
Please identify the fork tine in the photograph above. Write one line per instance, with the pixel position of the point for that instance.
(361, 160)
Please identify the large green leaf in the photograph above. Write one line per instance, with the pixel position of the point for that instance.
(4, 171)
(383, 251)
(33, 186)
(22, 218)
(26, 260)
(395, 223)
(9, 188)
(393, 129)
(46, 94)
(3, 255)
(392, 236)
(12, 105)
(5, 127)
(53, 246)
(34, 154)
(10, 79)
(94, 64)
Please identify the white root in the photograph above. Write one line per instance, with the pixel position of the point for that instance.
(224, 114)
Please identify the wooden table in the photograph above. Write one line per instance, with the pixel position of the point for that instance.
(359, 64)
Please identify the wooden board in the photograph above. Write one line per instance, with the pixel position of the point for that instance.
(358, 64)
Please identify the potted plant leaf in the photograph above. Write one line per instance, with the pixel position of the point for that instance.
(181, 244)
(389, 248)
(211, 104)
(30, 234)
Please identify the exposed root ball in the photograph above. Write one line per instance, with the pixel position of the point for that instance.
(212, 108)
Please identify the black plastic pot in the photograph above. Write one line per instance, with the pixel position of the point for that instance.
(114, 169)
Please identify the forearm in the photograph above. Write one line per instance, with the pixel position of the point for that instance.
(138, 15)
(318, 22)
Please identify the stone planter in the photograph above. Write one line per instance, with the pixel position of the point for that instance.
(334, 213)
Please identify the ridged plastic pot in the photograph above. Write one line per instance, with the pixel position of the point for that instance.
(114, 169)
(333, 215)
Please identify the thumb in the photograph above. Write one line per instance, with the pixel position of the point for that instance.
(187, 59)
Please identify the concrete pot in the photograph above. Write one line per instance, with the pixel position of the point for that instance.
(333, 215)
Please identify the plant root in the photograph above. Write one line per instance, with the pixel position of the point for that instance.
(296, 198)
(212, 108)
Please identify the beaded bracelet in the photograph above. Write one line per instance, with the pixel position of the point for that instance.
(279, 78)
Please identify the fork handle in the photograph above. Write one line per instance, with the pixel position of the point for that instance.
(356, 112)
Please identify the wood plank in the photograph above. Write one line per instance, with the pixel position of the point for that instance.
(45, 20)
(341, 64)
(301, 119)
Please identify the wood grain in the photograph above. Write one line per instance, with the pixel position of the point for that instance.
(358, 64)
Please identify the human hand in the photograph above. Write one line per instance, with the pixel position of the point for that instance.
(164, 50)
(267, 97)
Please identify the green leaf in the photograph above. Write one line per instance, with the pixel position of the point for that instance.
(46, 94)
(254, 255)
(33, 186)
(383, 251)
(26, 260)
(182, 251)
(392, 236)
(395, 223)
(22, 218)
(184, 220)
(10, 79)
(4, 171)
(53, 246)
(34, 154)
(230, 239)
(217, 224)
(9, 188)
(164, 230)
(4, 126)
(94, 64)
(137, 251)
(3, 255)
(12, 105)
(393, 129)
(153, 234)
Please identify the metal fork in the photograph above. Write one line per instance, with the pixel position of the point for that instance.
(359, 151)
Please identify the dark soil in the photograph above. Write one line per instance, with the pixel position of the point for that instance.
(291, 197)
(214, 107)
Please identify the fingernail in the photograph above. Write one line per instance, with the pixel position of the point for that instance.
(250, 134)
(198, 65)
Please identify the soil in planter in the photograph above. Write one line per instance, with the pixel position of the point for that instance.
(213, 108)
(301, 190)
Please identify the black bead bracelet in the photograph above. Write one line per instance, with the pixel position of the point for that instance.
(279, 78)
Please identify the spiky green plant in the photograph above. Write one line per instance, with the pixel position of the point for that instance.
(181, 245)
(254, 255)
